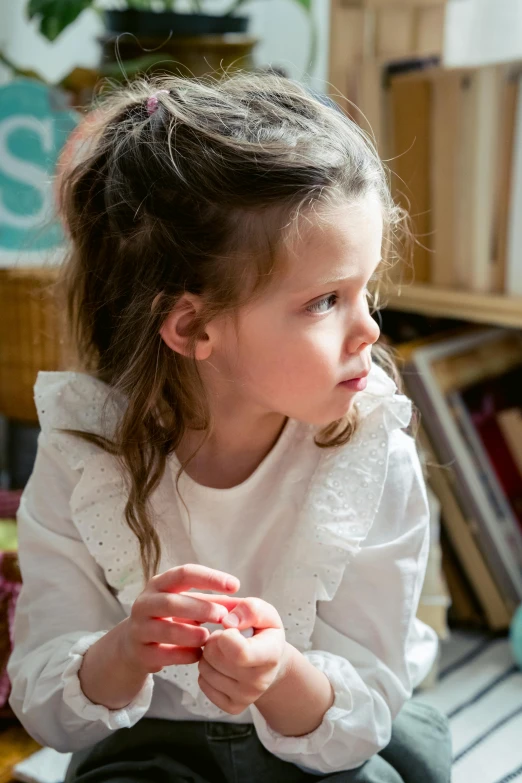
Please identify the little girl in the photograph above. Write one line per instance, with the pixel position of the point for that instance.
(224, 537)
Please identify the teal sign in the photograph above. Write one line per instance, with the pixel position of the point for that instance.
(35, 122)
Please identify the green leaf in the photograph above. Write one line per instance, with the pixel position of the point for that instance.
(55, 15)
(306, 4)
(35, 7)
(131, 68)
(236, 5)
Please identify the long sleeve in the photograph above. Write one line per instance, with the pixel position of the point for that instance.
(64, 606)
(367, 639)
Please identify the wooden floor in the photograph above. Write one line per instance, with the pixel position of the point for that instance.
(15, 745)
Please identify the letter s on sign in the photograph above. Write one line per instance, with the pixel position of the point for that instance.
(25, 172)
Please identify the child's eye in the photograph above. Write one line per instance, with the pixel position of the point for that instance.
(323, 305)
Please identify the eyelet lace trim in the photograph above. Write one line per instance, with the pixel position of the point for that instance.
(342, 502)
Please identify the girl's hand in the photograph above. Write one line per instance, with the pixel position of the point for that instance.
(164, 627)
(235, 672)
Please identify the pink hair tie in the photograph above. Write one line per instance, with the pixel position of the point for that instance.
(152, 102)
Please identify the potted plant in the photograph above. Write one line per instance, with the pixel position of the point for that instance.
(159, 36)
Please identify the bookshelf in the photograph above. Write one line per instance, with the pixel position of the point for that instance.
(452, 140)
(494, 309)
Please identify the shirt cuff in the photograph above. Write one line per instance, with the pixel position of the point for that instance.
(75, 698)
(313, 743)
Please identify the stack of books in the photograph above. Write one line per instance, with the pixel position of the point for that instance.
(453, 139)
(467, 388)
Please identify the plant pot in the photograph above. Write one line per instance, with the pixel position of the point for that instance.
(150, 24)
(182, 44)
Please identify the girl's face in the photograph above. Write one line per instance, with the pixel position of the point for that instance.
(299, 349)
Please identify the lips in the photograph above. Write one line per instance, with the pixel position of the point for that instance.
(356, 384)
(362, 374)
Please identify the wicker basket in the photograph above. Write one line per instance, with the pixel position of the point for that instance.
(29, 337)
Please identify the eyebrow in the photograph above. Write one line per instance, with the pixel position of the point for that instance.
(333, 280)
(326, 281)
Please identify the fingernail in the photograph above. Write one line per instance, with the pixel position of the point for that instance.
(232, 620)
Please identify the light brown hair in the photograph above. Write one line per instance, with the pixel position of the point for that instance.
(197, 197)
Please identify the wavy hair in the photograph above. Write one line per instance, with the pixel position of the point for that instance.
(197, 197)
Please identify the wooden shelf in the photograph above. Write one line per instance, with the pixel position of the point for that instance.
(451, 303)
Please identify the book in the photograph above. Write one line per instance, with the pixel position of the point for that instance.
(477, 130)
(490, 472)
(430, 29)
(460, 532)
(473, 113)
(445, 130)
(371, 96)
(446, 103)
(508, 112)
(514, 233)
(395, 30)
(451, 148)
(410, 150)
(510, 422)
(484, 401)
(463, 363)
(347, 44)
(464, 609)
(429, 379)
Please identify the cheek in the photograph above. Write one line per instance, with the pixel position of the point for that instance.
(299, 358)
(318, 346)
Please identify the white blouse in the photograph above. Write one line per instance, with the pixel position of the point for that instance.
(336, 539)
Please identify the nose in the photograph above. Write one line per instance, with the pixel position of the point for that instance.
(362, 331)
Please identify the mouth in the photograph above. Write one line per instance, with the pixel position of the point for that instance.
(356, 384)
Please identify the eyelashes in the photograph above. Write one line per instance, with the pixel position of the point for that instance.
(327, 303)
(319, 306)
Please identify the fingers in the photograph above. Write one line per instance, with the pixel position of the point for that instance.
(223, 691)
(182, 606)
(253, 613)
(263, 649)
(229, 602)
(213, 652)
(160, 631)
(221, 682)
(228, 651)
(161, 655)
(221, 700)
(235, 694)
(185, 577)
(239, 692)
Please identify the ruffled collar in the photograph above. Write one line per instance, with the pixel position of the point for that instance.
(342, 502)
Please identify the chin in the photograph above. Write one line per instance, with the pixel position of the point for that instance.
(329, 416)
(345, 409)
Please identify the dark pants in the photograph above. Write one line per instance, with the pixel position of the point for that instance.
(206, 752)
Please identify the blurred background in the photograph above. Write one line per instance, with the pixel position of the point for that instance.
(438, 83)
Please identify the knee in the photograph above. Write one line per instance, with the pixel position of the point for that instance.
(438, 769)
(434, 719)
(423, 748)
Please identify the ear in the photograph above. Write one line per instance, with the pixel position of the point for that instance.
(176, 330)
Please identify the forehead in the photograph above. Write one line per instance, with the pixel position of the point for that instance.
(338, 242)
